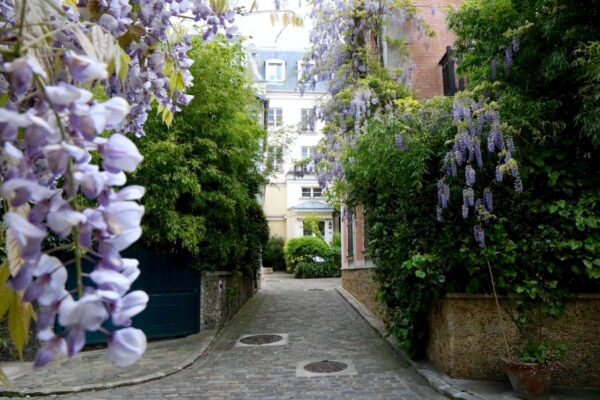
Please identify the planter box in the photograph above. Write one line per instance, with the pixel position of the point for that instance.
(465, 338)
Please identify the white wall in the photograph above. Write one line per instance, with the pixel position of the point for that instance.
(291, 104)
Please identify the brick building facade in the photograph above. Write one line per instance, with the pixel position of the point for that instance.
(426, 54)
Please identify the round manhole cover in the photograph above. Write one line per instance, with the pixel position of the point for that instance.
(325, 367)
(261, 339)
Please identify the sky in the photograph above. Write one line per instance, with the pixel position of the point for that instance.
(262, 33)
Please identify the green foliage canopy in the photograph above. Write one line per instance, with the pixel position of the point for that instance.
(201, 175)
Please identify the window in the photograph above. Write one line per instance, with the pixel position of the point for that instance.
(448, 76)
(310, 192)
(275, 158)
(275, 70)
(307, 121)
(308, 153)
(275, 118)
(350, 238)
(306, 231)
(304, 69)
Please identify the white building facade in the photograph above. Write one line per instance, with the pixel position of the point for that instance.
(293, 191)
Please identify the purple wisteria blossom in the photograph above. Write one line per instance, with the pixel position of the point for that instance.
(476, 123)
(64, 154)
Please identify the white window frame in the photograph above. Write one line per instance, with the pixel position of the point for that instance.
(301, 65)
(276, 118)
(311, 191)
(308, 127)
(271, 70)
(308, 152)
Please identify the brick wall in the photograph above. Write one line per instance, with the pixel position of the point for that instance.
(426, 53)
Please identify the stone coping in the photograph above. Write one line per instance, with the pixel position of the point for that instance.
(161, 359)
(467, 296)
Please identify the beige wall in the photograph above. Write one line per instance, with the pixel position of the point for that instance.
(277, 229)
(275, 201)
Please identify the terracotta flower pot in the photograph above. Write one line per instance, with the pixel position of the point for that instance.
(530, 381)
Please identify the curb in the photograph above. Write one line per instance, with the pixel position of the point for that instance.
(205, 338)
(435, 379)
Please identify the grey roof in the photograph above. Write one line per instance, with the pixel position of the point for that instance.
(259, 56)
(312, 205)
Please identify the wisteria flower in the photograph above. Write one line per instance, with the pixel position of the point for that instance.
(83, 68)
(126, 346)
(120, 154)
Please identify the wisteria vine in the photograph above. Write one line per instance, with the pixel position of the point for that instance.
(477, 125)
(76, 77)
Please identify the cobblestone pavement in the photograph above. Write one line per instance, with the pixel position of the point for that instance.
(320, 325)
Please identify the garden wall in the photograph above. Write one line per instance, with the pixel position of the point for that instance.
(361, 284)
(466, 338)
(223, 294)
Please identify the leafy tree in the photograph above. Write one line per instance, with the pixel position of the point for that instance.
(201, 174)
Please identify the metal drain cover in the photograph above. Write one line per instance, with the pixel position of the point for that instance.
(325, 367)
(258, 340)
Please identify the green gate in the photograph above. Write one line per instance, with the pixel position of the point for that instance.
(174, 291)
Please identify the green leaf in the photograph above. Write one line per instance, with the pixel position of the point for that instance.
(124, 68)
(6, 295)
(5, 380)
(4, 99)
(19, 317)
(167, 116)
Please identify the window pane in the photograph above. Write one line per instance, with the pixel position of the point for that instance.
(305, 192)
(308, 120)
(322, 228)
(317, 192)
(275, 118)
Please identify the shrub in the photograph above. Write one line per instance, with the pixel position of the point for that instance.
(273, 254)
(311, 269)
(336, 249)
(304, 248)
(201, 174)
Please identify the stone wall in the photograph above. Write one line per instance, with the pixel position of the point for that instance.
(223, 293)
(466, 338)
(361, 284)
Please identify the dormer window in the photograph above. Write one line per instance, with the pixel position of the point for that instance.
(275, 70)
(304, 69)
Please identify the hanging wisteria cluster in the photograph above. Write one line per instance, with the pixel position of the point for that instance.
(477, 125)
(345, 47)
(75, 77)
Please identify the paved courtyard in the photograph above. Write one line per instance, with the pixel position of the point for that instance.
(319, 324)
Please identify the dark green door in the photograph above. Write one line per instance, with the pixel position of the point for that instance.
(174, 291)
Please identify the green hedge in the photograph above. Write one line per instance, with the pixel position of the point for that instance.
(311, 269)
(304, 248)
(273, 256)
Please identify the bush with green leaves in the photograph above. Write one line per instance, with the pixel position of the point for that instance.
(304, 248)
(312, 269)
(201, 175)
(273, 256)
(542, 244)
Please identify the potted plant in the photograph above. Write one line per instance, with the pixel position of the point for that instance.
(531, 362)
(531, 366)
